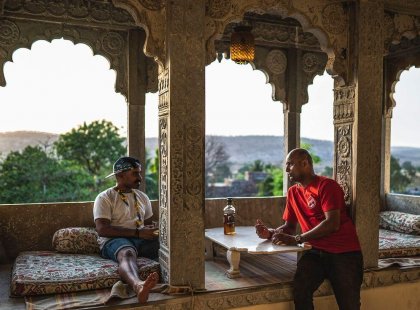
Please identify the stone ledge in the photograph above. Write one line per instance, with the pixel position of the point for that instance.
(265, 294)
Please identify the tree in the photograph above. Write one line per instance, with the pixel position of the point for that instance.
(152, 175)
(408, 169)
(94, 146)
(273, 184)
(35, 176)
(328, 171)
(215, 155)
(398, 181)
(257, 166)
(307, 146)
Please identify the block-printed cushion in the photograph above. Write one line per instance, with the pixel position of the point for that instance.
(76, 240)
(395, 244)
(47, 272)
(400, 222)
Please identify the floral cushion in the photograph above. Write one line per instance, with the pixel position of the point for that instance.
(76, 240)
(47, 272)
(400, 222)
(395, 244)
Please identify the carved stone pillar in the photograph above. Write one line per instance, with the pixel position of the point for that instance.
(182, 137)
(343, 128)
(368, 125)
(293, 106)
(136, 115)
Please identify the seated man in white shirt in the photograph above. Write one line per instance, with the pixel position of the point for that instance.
(123, 219)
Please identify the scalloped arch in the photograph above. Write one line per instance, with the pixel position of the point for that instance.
(395, 82)
(335, 70)
(98, 47)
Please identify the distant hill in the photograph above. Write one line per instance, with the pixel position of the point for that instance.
(18, 140)
(242, 149)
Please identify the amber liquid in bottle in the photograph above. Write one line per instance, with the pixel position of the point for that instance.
(229, 218)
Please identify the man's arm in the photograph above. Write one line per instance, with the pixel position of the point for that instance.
(266, 233)
(329, 225)
(105, 229)
(326, 227)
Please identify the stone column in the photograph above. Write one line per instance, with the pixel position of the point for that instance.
(343, 136)
(368, 125)
(182, 139)
(136, 139)
(293, 106)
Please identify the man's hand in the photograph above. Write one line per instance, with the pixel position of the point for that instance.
(280, 238)
(263, 231)
(147, 233)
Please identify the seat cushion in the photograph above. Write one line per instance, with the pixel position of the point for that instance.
(46, 272)
(395, 244)
(401, 222)
(76, 240)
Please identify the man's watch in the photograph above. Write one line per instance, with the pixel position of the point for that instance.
(298, 239)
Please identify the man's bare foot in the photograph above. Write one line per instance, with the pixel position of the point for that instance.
(143, 288)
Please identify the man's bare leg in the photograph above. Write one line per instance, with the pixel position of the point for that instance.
(143, 288)
(128, 270)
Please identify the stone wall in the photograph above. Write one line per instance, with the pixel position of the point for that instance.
(29, 227)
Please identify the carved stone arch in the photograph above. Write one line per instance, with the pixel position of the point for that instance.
(329, 25)
(402, 57)
(15, 34)
(149, 15)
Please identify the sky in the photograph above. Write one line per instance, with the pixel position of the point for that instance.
(57, 86)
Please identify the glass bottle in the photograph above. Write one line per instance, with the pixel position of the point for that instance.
(229, 213)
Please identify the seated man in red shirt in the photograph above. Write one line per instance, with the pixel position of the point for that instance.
(317, 204)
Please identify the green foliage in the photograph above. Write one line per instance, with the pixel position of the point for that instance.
(273, 184)
(328, 171)
(398, 180)
(257, 166)
(152, 175)
(307, 146)
(94, 147)
(35, 176)
(408, 169)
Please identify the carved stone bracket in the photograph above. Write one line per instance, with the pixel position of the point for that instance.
(400, 58)
(112, 45)
(328, 22)
(313, 64)
(398, 27)
(152, 76)
(344, 100)
(150, 15)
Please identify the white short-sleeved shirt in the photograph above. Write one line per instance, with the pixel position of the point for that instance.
(109, 205)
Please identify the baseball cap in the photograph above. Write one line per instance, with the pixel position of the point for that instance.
(124, 164)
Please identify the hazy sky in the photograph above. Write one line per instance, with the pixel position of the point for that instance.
(56, 86)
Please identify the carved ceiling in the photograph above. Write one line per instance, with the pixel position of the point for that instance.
(411, 7)
(72, 11)
(271, 31)
(98, 24)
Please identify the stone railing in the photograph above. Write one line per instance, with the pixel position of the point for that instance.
(28, 227)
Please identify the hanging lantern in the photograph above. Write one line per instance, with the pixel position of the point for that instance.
(242, 45)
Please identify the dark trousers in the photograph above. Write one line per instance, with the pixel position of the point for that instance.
(344, 271)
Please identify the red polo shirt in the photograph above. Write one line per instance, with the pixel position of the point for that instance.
(306, 206)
